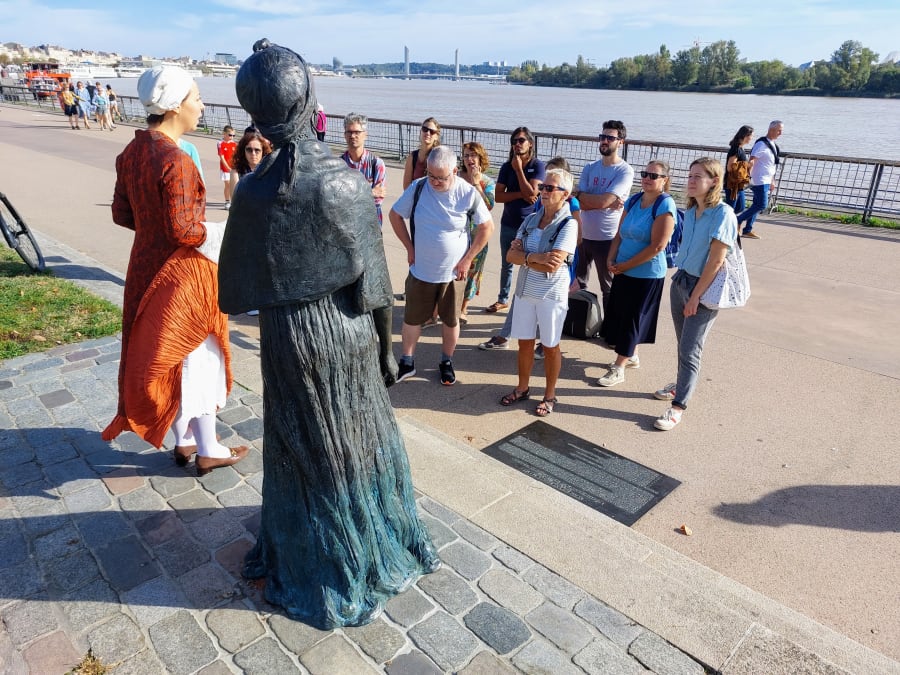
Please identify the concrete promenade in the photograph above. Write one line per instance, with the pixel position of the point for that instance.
(787, 460)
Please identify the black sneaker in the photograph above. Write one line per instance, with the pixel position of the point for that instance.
(405, 371)
(448, 375)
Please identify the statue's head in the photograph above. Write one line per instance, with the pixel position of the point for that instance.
(275, 87)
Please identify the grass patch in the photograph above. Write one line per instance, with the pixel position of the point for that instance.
(39, 311)
(847, 219)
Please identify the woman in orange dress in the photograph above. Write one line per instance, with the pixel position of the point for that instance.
(175, 365)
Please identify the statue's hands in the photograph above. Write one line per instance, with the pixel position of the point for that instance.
(388, 368)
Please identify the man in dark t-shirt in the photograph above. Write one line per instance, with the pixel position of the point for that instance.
(517, 191)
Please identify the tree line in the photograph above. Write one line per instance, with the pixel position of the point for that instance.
(852, 70)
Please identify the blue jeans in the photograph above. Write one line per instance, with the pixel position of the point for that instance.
(507, 236)
(760, 202)
(739, 203)
(691, 332)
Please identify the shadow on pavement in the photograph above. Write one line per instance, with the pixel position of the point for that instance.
(863, 508)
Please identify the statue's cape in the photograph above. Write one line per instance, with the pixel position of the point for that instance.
(300, 227)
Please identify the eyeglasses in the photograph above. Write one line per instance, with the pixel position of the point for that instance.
(519, 141)
(550, 188)
(607, 137)
(429, 130)
(440, 179)
(253, 150)
(470, 155)
(652, 176)
(354, 133)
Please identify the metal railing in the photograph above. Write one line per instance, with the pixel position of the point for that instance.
(840, 185)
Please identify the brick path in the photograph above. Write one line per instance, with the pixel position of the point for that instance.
(114, 548)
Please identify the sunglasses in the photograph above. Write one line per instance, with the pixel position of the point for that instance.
(429, 130)
(607, 137)
(231, 135)
(543, 187)
(652, 176)
(519, 141)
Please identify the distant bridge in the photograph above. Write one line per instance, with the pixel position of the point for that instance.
(433, 76)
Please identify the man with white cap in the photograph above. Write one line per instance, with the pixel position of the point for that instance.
(175, 365)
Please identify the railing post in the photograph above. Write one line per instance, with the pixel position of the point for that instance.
(873, 191)
(773, 195)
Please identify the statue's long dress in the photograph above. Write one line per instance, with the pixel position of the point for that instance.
(339, 532)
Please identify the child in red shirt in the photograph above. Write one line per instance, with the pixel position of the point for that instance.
(226, 148)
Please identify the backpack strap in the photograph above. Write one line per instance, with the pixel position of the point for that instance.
(633, 199)
(420, 184)
(773, 147)
(658, 203)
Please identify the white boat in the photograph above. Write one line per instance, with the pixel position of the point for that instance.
(89, 71)
(136, 68)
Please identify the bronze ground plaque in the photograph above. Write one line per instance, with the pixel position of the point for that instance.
(611, 484)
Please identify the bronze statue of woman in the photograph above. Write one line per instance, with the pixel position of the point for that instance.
(339, 533)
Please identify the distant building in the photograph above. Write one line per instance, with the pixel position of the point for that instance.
(227, 59)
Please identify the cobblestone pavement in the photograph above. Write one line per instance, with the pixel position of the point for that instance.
(113, 548)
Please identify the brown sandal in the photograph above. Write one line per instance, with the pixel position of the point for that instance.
(515, 397)
(545, 407)
(496, 307)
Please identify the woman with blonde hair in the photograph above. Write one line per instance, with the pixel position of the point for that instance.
(710, 230)
(416, 161)
(637, 259)
(475, 164)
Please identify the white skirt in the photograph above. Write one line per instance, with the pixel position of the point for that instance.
(203, 389)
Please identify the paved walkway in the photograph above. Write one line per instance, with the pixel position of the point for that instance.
(530, 577)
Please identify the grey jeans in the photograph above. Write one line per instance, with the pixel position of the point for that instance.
(691, 332)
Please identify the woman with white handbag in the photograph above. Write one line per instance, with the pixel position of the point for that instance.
(710, 233)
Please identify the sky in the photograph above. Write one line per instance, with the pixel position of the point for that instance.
(375, 31)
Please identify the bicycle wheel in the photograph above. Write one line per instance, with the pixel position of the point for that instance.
(19, 237)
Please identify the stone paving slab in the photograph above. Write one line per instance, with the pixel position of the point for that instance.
(112, 547)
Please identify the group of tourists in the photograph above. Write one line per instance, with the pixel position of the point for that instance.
(81, 103)
(555, 232)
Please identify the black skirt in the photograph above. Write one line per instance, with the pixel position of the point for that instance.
(632, 313)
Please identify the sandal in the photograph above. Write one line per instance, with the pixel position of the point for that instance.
(496, 307)
(545, 407)
(515, 397)
(463, 319)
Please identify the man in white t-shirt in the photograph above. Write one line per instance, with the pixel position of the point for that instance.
(602, 189)
(764, 160)
(439, 252)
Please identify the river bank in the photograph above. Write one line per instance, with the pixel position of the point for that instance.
(813, 125)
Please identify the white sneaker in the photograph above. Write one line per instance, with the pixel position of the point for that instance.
(227, 206)
(670, 420)
(614, 375)
(667, 393)
(633, 362)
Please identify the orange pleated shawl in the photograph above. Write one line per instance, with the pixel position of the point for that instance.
(177, 312)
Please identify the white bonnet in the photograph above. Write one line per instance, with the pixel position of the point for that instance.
(163, 88)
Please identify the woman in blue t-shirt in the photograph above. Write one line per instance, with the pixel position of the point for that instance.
(637, 259)
(710, 230)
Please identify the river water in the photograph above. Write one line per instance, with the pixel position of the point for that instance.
(852, 127)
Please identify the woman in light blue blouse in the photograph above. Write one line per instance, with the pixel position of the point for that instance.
(710, 230)
(637, 260)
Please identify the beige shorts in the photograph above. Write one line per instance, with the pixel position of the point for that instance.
(422, 296)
